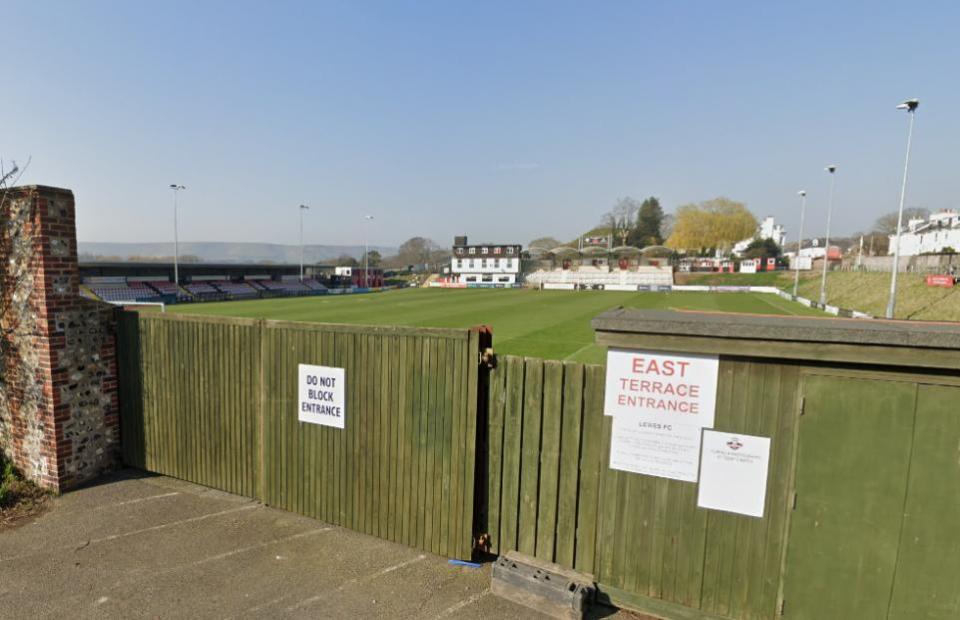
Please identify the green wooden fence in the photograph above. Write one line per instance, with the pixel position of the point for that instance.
(860, 501)
(551, 494)
(214, 401)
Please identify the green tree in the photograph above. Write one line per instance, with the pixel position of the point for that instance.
(544, 243)
(762, 248)
(345, 260)
(647, 230)
(717, 223)
(373, 259)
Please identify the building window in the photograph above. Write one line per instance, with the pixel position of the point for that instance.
(497, 250)
(484, 250)
(510, 250)
(483, 263)
(473, 250)
(459, 250)
(459, 263)
(471, 263)
(496, 262)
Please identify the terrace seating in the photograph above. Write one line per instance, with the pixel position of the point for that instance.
(167, 289)
(133, 291)
(313, 285)
(236, 290)
(286, 287)
(203, 290)
(590, 275)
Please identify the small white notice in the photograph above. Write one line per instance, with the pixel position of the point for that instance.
(670, 388)
(655, 449)
(321, 395)
(733, 473)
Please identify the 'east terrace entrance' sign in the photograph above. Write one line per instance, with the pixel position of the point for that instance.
(669, 388)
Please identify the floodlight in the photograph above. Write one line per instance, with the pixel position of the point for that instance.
(909, 105)
(831, 169)
(802, 193)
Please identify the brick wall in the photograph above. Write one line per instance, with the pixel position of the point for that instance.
(59, 418)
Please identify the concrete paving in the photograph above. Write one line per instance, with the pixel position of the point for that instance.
(137, 545)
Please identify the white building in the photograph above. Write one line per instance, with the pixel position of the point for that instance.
(490, 264)
(930, 236)
(768, 229)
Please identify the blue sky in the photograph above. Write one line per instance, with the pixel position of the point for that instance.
(503, 121)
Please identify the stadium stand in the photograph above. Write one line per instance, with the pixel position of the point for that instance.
(203, 290)
(168, 289)
(313, 285)
(236, 290)
(591, 275)
(132, 291)
(286, 287)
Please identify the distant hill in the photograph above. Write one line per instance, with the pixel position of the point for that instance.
(223, 252)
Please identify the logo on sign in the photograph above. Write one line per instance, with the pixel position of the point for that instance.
(734, 444)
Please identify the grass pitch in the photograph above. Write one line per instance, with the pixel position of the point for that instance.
(547, 324)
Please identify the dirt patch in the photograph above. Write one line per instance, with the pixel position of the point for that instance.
(20, 502)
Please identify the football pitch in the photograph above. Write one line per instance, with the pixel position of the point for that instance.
(547, 324)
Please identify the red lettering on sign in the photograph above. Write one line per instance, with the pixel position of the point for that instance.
(666, 368)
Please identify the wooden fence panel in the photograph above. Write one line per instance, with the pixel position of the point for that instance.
(214, 401)
(643, 538)
(543, 459)
(402, 469)
(189, 399)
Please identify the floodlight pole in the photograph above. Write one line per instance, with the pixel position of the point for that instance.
(366, 253)
(302, 209)
(826, 245)
(803, 213)
(911, 107)
(176, 241)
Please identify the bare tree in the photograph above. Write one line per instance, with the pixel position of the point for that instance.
(887, 224)
(9, 178)
(621, 218)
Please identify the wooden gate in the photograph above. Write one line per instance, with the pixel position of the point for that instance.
(214, 401)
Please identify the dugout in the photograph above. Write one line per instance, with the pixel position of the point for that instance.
(863, 487)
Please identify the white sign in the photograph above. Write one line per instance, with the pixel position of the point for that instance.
(647, 447)
(670, 388)
(733, 476)
(321, 395)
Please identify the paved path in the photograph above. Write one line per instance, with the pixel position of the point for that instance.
(151, 546)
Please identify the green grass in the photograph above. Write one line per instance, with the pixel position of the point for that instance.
(547, 324)
(866, 292)
(780, 279)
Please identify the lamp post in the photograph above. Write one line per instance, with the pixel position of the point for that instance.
(302, 209)
(366, 253)
(910, 106)
(826, 246)
(803, 213)
(176, 241)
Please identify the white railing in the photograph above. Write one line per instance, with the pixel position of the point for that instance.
(163, 306)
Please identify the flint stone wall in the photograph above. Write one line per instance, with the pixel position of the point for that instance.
(59, 421)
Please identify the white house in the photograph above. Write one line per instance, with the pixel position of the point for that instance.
(768, 229)
(932, 236)
(487, 263)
